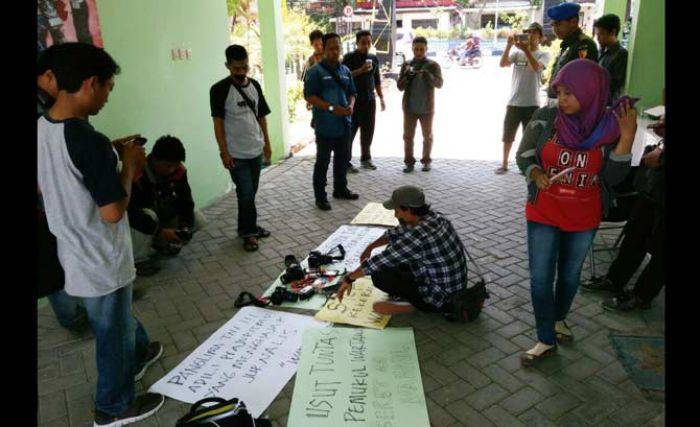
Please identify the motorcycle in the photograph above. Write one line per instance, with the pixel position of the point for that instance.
(465, 57)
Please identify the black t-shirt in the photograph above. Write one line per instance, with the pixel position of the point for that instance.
(366, 82)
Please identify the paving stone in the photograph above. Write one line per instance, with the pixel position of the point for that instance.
(521, 401)
(534, 418)
(557, 405)
(486, 396)
(486, 357)
(503, 378)
(438, 416)
(466, 415)
(501, 417)
(451, 392)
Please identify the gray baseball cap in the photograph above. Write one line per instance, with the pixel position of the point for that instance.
(407, 196)
(533, 26)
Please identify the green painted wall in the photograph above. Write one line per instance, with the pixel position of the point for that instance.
(646, 67)
(156, 95)
(617, 7)
(272, 43)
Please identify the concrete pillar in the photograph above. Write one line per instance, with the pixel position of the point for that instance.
(646, 66)
(272, 43)
(617, 7)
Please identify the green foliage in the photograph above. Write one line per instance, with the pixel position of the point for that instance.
(515, 21)
(553, 51)
(456, 32)
(295, 93)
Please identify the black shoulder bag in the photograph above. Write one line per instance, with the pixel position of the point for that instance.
(247, 100)
(336, 78)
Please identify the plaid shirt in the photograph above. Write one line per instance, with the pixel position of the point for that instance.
(434, 253)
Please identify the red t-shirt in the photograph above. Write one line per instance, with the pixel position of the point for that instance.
(573, 203)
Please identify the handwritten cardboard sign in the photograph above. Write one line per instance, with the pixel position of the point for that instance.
(354, 240)
(375, 214)
(358, 377)
(356, 308)
(251, 357)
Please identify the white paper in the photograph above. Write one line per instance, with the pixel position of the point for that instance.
(251, 357)
(376, 214)
(657, 111)
(562, 173)
(354, 240)
(642, 138)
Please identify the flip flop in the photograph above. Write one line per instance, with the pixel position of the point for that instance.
(250, 245)
(565, 338)
(527, 359)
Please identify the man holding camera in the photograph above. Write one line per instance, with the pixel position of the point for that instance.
(419, 78)
(365, 72)
(424, 264)
(574, 44)
(528, 61)
(161, 212)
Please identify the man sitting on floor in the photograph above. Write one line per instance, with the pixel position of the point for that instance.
(424, 263)
(161, 212)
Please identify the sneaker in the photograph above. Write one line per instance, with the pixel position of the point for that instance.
(426, 167)
(367, 164)
(323, 205)
(408, 169)
(153, 352)
(352, 169)
(146, 268)
(143, 407)
(598, 284)
(346, 195)
(393, 307)
(624, 302)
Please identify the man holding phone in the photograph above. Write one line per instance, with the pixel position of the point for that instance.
(161, 213)
(528, 61)
(238, 108)
(365, 72)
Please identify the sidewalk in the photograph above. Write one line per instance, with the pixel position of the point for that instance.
(471, 373)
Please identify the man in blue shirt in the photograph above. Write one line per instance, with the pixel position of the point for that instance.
(329, 88)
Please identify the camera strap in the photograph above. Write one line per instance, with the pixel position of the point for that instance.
(246, 298)
(336, 78)
(249, 102)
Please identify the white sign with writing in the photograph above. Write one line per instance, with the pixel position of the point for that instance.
(251, 357)
(354, 240)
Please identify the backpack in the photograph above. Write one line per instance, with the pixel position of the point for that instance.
(224, 413)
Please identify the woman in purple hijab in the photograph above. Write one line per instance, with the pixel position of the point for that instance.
(572, 155)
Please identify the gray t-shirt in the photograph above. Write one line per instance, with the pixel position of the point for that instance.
(418, 101)
(525, 86)
(77, 174)
(244, 138)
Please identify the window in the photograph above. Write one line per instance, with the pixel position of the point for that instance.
(399, 23)
(486, 18)
(425, 23)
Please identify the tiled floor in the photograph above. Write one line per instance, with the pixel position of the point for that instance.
(471, 373)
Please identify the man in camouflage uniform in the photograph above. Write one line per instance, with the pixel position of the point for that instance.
(575, 44)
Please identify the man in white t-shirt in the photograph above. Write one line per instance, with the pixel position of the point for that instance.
(528, 62)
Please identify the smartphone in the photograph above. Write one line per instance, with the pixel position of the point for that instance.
(521, 37)
(622, 98)
(140, 141)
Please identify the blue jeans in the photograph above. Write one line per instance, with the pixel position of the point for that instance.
(246, 175)
(69, 310)
(553, 250)
(324, 147)
(120, 347)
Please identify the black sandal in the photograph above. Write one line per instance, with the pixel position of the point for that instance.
(527, 359)
(262, 233)
(249, 244)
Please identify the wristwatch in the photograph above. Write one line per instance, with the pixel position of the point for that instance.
(330, 108)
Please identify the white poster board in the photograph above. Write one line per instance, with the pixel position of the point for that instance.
(354, 240)
(251, 357)
(376, 214)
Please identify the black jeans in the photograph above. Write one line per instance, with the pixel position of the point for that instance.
(246, 175)
(363, 118)
(644, 232)
(399, 282)
(324, 147)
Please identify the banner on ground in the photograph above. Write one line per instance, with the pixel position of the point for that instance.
(351, 377)
(375, 214)
(356, 308)
(354, 240)
(251, 357)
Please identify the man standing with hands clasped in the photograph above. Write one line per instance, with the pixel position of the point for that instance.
(528, 62)
(419, 78)
(330, 89)
(365, 72)
(238, 108)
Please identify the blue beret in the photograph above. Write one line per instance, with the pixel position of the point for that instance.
(564, 11)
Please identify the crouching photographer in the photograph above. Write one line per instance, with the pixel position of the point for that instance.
(161, 212)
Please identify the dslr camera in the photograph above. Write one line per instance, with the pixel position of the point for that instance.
(318, 259)
(293, 270)
(281, 294)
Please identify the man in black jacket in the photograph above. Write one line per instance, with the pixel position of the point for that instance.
(613, 57)
(161, 212)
